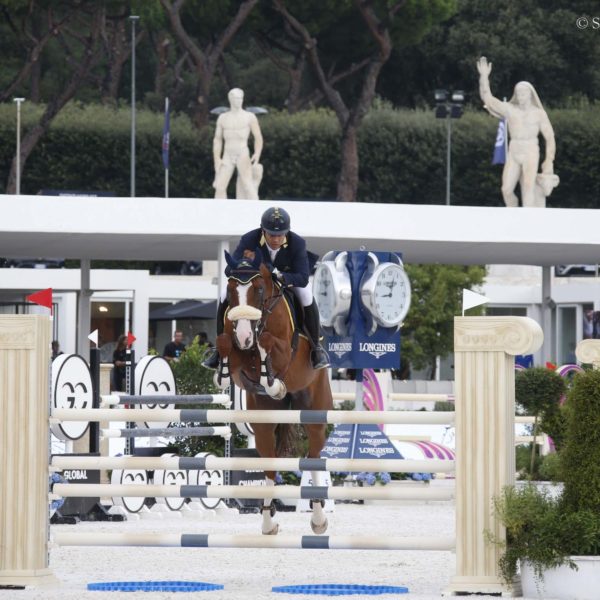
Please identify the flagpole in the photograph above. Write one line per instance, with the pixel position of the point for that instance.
(166, 133)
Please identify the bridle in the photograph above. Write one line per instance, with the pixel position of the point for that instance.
(265, 306)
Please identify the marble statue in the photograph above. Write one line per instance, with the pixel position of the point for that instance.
(231, 152)
(525, 119)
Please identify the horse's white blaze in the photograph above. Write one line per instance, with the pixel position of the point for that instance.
(241, 315)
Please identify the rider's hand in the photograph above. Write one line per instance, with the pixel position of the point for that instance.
(278, 276)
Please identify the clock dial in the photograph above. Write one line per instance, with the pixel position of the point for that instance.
(324, 294)
(386, 294)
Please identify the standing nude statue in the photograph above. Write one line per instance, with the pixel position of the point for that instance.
(230, 149)
(526, 119)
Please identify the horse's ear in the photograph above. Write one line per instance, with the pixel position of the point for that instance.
(231, 263)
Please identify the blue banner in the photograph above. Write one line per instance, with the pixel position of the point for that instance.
(359, 441)
(500, 145)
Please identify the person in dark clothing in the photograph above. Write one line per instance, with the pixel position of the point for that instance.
(285, 253)
(173, 350)
(119, 358)
(56, 349)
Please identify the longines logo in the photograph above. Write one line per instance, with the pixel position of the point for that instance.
(340, 348)
(377, 349)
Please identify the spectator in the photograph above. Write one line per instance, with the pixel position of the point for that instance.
(119, 358)
(173, 350)
(56, 351)
(203, 339)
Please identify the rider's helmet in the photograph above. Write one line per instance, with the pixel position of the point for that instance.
(275, 221)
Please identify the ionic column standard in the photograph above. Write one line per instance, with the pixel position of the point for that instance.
(24, 443)
(484, 364)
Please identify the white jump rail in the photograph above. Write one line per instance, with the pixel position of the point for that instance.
(398, 417)
(220, 540)
(223, 431)
(116, 399)
(257, 492)
(367, 465)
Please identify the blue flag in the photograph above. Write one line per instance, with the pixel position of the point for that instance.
(166, 139)
(500, 146)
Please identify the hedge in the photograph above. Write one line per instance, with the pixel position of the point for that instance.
(402, 155)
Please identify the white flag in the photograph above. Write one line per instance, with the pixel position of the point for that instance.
(93, 337)
(471, 299)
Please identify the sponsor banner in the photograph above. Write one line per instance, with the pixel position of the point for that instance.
(359, 441)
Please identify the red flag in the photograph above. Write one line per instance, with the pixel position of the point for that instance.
(130, 339)
(43, 298)
(550, 366)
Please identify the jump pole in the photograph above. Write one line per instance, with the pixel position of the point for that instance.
(311, 542)
(176, 463)
(92, 490)
(397, 417)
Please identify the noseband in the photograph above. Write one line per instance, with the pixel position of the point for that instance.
(256, 315)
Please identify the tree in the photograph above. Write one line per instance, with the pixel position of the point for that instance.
(428, 331)
(79, 44)
(209, 28)
(374, 26)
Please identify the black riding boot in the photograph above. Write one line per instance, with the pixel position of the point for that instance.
(318, 356)
(212, 361)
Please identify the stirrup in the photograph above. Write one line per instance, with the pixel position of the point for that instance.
(212, 362)
(319, 358)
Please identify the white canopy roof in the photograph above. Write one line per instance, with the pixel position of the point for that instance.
(190, 229)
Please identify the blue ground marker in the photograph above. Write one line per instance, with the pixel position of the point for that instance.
(340, 589)
(154, 586)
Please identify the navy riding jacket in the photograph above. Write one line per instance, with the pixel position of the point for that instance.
(291, 260)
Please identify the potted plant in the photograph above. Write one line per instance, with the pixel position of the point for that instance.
(556, 541)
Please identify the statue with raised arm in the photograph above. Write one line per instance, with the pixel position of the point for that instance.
(231, 152)
(526, 119)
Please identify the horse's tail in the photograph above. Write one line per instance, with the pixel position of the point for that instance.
(286, 437)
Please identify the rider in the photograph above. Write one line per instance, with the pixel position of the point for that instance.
(285, 252)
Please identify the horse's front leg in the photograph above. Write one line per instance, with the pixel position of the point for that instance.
(224, 345)
(316, 441)
(265, 445)
(274, 387)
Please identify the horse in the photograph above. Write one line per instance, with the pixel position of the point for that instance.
(265, 355)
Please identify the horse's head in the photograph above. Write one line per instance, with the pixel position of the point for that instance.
(248, 286)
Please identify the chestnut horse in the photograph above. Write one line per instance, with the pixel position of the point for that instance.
(263, 354)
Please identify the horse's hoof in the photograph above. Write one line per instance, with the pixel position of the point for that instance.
(318, 529)
(273, 531)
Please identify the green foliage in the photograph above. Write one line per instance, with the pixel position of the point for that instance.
(523, 463)
(546, 531)
(402, 155)
(428, 330)
(580, 455)
(550, 468)
(444, 406)
(538, 390)
(539, 531)
(193, 378)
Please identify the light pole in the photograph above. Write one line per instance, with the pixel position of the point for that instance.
(133, 19)
(449, 106)
(18, 101)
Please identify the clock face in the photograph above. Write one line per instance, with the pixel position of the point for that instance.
(391, 295)
(324, 293)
